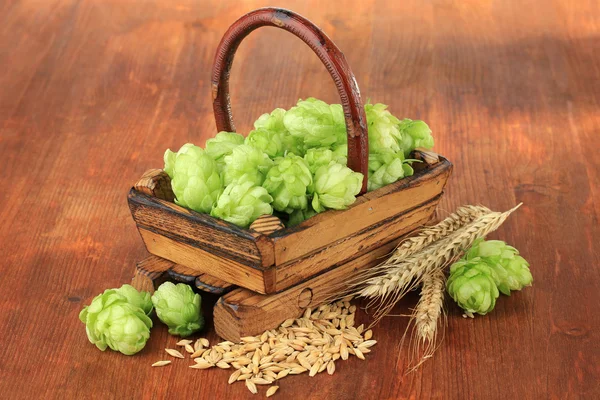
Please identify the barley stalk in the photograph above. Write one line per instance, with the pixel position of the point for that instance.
(429, 307)
(410, 246)
(429, 234)
(426, 318)
(388, 283)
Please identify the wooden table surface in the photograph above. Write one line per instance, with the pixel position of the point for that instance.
(93, 92)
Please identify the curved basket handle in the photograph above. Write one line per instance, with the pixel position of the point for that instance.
(329, 54)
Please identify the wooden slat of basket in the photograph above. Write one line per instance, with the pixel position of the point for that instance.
(374, 236)
(213, 285)
(170, 247)
(213, 235)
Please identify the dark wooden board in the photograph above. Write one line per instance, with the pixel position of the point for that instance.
(93, 92)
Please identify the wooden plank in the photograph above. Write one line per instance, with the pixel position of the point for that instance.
(208, 283)
(211, 234)
(158, 243)
(181, 273)
(156, 182)
(244, 313)
(347, 248)
(370, 209)
(150, 273)
(154, 270)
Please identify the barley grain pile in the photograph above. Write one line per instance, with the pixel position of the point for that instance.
(311, 344)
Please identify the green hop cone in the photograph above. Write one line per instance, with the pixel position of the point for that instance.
(512, 269)
(135, 298)
(242, 202)
(299, 216)
(110, 321)
(415, 134)
(287, 183)
(170, 158)
(179, 308)
(335, 186)
(126, 327)
(317, 123)
(222, 145)
(273, 123)
(269, 142)
(472, 284)
(196, 181)
(384, 134)
(387, 167)
(246, 161)
(323, 156)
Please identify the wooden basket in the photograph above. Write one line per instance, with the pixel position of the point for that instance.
(283, 269)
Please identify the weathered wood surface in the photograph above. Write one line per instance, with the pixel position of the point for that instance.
(93, 92)
(170, 248)
(209, 234)
(156, 182)
(349, 247)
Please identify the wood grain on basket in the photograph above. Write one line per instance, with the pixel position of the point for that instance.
(271, 263)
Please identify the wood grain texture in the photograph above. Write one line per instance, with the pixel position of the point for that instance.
(207, 233)
(346, 249)
(93, 92)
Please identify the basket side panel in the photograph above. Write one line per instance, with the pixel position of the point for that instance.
(371, 209)
(195, 258)
(205, 232)
(348, 248)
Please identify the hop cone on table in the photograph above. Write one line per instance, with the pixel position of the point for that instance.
(110, 321)
(384, 135)
(387, 167)
(135, 298)
(222, 145)
(242, 202)
(335, 186)
(246, 161)
(317, 123)
(196, 181)
(287, 183)
(179, 308)
(317, 157)
(415, 133)
(511, 269)
(472, 284)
